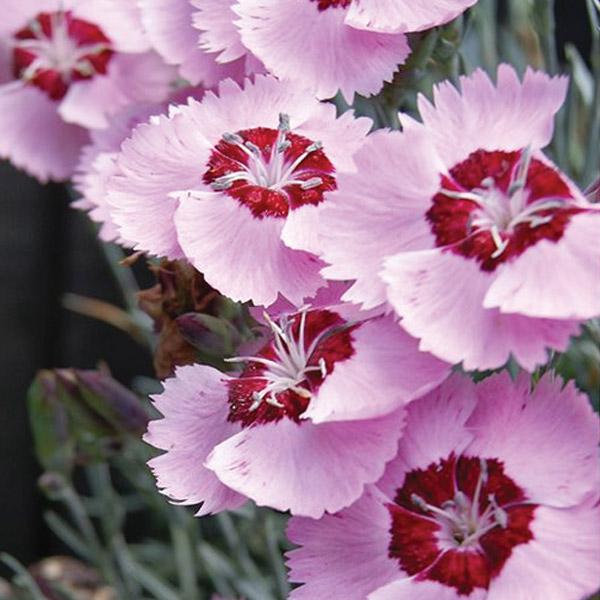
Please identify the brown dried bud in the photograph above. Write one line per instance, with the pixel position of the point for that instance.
(180, 289)
(172, 350)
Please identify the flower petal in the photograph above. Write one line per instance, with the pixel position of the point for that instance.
(194, 407)
(307, 468)
(556, 280)
(439, 296)
(158, 159)
(131, 78)
(560, 562)
(240, 255)
(417, 589)
(508, 116)
(219, 35)
(298, 42)
(343, 555)
(385, 372)
(403, 15)
(435, 428)
(546, 439)
(378, 212)
(34, 137)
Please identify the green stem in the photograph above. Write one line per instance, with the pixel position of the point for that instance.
(111, 520)
(61, 489)
(185, 558)
(123, 276)
(67, 535)
(129, 288)
(544, 12)
(592, 150)
(547, 23)
(485, 16)
(24, 578)
(236, 546)
(147, 579)
(275, 556)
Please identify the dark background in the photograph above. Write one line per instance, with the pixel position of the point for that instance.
(47, 249)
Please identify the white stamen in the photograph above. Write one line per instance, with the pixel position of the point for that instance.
(283, 146)
(500, 243)
(500, 213)
(500, 515)
(522, 171)
(323, 367)
(253, 148)
(311, 183)
(58, 51)
(483, 477)
(284, 123)
(233, 138)
(274, 172)
(460, 517)
(289, 369)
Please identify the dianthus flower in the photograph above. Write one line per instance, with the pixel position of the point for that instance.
(311, 43)
(472, 234)
(177, 29)
(98, 161)
(314, 415)
(401, 15)
(493, 496)
(66, 65)
(97, 165)
(234, 183)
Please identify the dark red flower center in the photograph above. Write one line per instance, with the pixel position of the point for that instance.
(325, 4)
(457, 521)
(495, 205)
(280, 380)
(271, 171)
(56, 49)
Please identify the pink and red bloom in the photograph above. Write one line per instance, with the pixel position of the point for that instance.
(309, 421)
(65, 66)
(234, 183)
(400, 15)
(481, 245)
(493, 495)
(313, 43)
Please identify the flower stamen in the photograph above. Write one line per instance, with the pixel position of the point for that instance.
(288, 370)
(499, 213)
(276, 172)
(461, 516)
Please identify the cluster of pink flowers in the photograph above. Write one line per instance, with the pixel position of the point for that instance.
(376, 262)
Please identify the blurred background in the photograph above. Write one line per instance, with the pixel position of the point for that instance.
(48, 250)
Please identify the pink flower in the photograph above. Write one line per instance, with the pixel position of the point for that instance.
(402, 15)
(69, 65)
(313, 416)
(479, 242)
(310, 42)
(493, 495)
(98, 164)
(219, 34)
(235, 183)
(177, 31)
(98, 161)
